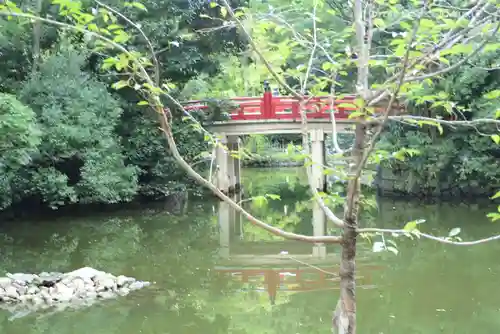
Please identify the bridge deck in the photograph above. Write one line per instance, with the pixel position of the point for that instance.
(266, 127)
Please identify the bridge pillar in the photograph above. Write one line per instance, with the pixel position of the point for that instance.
(318, 159)
(221, 160)
(228, 166)
(318, 180)
(234, 164)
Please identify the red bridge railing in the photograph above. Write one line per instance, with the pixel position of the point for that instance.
(269, 107)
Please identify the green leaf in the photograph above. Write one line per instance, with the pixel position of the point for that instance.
(139, 5)
(114, 27)
(143, 103)
(494, 94)
(259, 201)
(405, 25)
(426, 23)
(392, 249)
(491, 47)
(120, 84)
(496, 139)
(356, 114)
(273, 197)
(378, 22)
(410, 226)
(454, 232)
(223, 11)
(213, 4)
(399, 155)
(326, 66)
(106, 66)
(458, 49)
(493, 216)
(400, 50)
(497, 195)
(346, 105)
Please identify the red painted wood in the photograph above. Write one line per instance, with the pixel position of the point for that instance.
(270, 107)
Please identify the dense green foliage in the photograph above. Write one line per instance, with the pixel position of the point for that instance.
(463, 160)
(73, 139)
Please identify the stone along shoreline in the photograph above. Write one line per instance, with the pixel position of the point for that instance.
(22, 294)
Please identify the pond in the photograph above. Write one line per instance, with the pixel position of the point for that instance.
(425, 288)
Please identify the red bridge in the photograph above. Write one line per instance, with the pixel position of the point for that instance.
(269, 107)
(280, 114)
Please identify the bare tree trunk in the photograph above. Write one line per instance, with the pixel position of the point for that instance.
(344, 319)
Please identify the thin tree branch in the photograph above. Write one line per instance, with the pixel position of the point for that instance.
(146, 39)
(269, 67)
(431, 237)
(313, 51)
(335, 140)
(447, 42)
(472, 122)
(457, 64)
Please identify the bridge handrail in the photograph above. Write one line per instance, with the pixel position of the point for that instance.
(269, 107)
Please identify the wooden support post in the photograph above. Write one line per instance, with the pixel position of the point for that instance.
(318, 160)
(221, 159)
(234, 165)
(236, 220)
(318, 180)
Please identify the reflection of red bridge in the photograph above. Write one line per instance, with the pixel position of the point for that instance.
(295, 279)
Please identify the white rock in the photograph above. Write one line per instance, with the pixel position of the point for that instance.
(106, 295)
(21, 289)
(46, 295)
(33, 290)
(5, 281)
(78, 284)
(124, 280)
(85, 273)
(62, 292)
(138, 285)
(25, 298)
(27, 278)
(11, 292)
(91, 294)
(37, 299)
(123, 291)
(105, 282)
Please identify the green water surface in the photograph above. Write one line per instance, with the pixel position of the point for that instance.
(427, 288)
